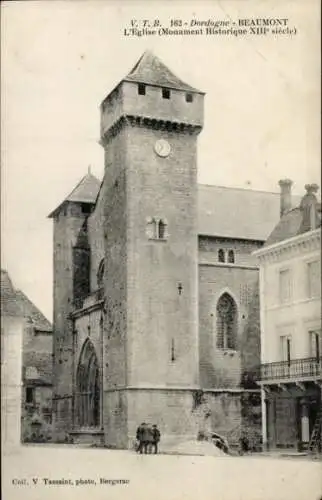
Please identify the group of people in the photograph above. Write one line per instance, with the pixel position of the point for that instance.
(148, 438)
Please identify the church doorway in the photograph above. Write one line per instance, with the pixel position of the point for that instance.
(88, 388)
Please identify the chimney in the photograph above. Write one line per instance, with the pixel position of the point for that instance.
(286, 196)
(309, 209)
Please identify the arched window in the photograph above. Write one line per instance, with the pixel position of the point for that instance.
(156, 228)
(100, 274)
(151, 227)
(231, 256)
(226, 322)
(221, 255)
(161, 229)
(88, 388)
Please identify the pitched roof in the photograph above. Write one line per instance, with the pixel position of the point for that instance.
(289, 225)
(150, 70)
(225, 212)
(85, 192)
(237, 213)
(29, 310)
(16, 303)
(10, 305)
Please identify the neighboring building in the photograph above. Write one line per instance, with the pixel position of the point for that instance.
(33, 361)
(290, 296)
(12, 326)
(156, 305)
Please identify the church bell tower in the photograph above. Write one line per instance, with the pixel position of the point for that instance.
(149, 128)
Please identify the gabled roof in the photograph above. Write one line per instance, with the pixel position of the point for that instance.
(85, 192)
(16, 303)
(29, 310)
(10, 305)
(290, 225)
(150, 70)
(228, 212)
(287, 227)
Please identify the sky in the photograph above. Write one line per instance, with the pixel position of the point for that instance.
(61, 58)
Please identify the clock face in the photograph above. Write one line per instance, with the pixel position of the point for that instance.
(162, 148)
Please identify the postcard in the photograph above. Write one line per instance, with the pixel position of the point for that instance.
(160, 269)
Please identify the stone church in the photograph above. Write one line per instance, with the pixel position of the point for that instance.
(156, 314)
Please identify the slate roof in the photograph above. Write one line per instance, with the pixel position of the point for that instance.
(225, 212)
(29, 310)
(37, 353)
(288, 226)
(228, 212)
(10, 305)
(85, 192)
(16, 303)
(150, 70)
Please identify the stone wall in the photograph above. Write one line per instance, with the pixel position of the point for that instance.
(67, 225)
(162, 321)
(226, 368)
(209, 247)
(36, 424)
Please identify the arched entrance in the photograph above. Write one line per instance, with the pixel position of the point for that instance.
(88, 388)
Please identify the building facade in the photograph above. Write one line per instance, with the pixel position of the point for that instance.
(156, 300)
(290, 297)
(12, 326)
(27, 352)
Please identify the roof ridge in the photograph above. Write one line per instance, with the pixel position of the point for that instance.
(89, 174)
(239, 188)
(150, 69)
(34, 309)
(88, 195)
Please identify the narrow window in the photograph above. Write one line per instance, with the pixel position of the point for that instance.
(314, 282)
(315, 340)
(286, 347)
(166, 93)
(151, 228)
(221, 255)
(231, 257)
(226, 322)
(100, 274)
(285, 286)
(161, 227)
(189, 97)
(29, 395)
(172, 350)
(141, 89)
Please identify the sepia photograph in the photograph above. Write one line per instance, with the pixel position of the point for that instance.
(161, 250)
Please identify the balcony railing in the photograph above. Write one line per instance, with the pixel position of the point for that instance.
(295, 369)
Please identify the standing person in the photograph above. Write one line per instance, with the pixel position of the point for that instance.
(146, 438)
(156, 436)
(139, 437)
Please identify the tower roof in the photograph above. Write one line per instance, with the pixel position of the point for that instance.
(150, 70)
(86, 191)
